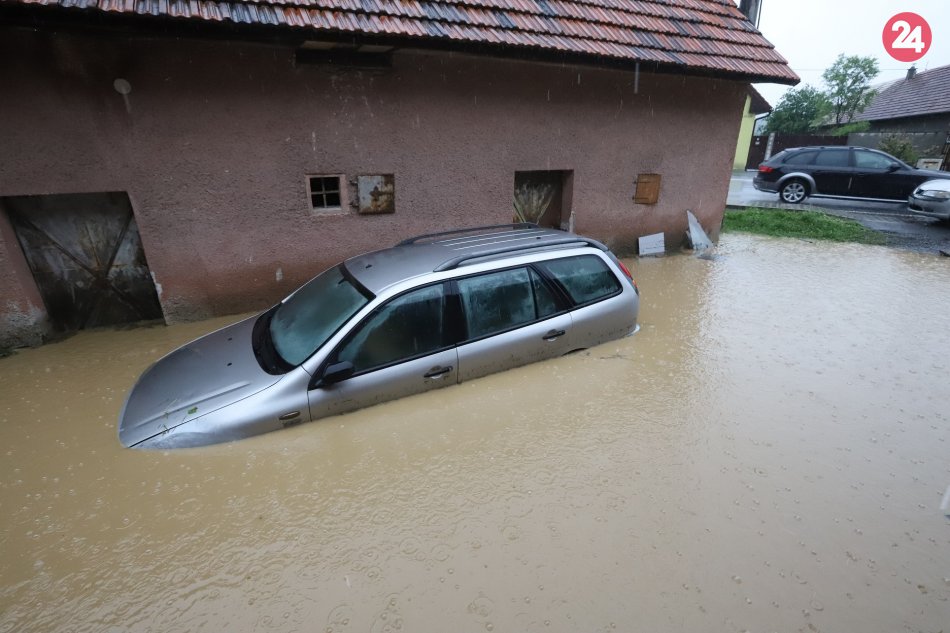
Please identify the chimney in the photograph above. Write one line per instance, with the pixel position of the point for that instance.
(911, 72)
(751, 10)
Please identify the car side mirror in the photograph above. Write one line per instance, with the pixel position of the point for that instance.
(893, 167)
(337, 372)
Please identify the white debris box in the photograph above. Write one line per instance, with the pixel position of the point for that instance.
(651, 245)
(697, 236)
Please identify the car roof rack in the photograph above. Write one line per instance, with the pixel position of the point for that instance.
(474, 229)
(455, 262)
(448, 250)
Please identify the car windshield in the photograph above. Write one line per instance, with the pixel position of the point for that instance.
(310, 316)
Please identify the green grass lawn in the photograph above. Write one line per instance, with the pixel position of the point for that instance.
(801, 224)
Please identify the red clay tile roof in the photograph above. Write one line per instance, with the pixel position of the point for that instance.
(928, 92)
(704, 36)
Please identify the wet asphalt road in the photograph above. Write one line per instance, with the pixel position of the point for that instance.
(901, 228)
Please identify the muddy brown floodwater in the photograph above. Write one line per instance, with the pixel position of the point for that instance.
(769, 453)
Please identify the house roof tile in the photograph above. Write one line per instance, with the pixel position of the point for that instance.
(928, 92)
(711, 36)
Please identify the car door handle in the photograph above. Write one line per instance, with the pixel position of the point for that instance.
(553, 334)
(438, 371)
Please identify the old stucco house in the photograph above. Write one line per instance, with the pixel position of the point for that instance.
(177, 159)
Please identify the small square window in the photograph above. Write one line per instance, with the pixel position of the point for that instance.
(324, 192)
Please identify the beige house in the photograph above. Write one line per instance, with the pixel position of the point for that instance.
(755, 104)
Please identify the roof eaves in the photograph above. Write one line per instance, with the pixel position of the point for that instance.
(701, 34)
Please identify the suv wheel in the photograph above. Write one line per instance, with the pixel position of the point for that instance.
(794, 191)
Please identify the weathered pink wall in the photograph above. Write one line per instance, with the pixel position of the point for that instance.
(213, 143)
(22, 314)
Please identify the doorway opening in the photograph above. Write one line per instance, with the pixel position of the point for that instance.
(544, 197)
(86, 257)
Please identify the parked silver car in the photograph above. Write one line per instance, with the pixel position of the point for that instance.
(931, 199)
(432, 311)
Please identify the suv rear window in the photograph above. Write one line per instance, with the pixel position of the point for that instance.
(777, 157)
(585, 277)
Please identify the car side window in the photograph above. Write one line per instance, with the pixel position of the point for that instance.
(801, 158)
(871, 160)
(586, 277)
(407, 327)
(832, 158)
(503, 300)
(544, 302)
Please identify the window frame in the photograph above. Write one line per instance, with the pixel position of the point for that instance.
(862, 151)
(561, 302)
(340, 191)
(811, 161)
(564, 291)
(449, 334)
(849, 161)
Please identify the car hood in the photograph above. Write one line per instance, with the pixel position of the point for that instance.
(213, 371)
(941, 184)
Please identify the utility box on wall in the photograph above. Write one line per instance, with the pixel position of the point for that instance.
(376, 194)
(648, 189)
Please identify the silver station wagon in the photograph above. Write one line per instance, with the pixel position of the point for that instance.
(433, 311)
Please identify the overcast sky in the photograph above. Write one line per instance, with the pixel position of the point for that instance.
(810, 34)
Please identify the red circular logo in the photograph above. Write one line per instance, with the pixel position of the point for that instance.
(907, 37)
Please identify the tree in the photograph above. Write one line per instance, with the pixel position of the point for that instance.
(798, 111)
(849, 128)
(848, 83)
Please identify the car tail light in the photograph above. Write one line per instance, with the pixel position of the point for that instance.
(765, 169)
(626, 271)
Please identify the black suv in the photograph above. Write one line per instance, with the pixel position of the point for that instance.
(839, 172)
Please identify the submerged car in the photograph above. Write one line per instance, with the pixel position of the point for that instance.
(931, 199)
(839, 172)
(434, 310)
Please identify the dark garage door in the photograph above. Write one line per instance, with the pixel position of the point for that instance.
(86, 256)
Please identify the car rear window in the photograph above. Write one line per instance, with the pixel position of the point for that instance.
(586, 278)
(777, 157)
